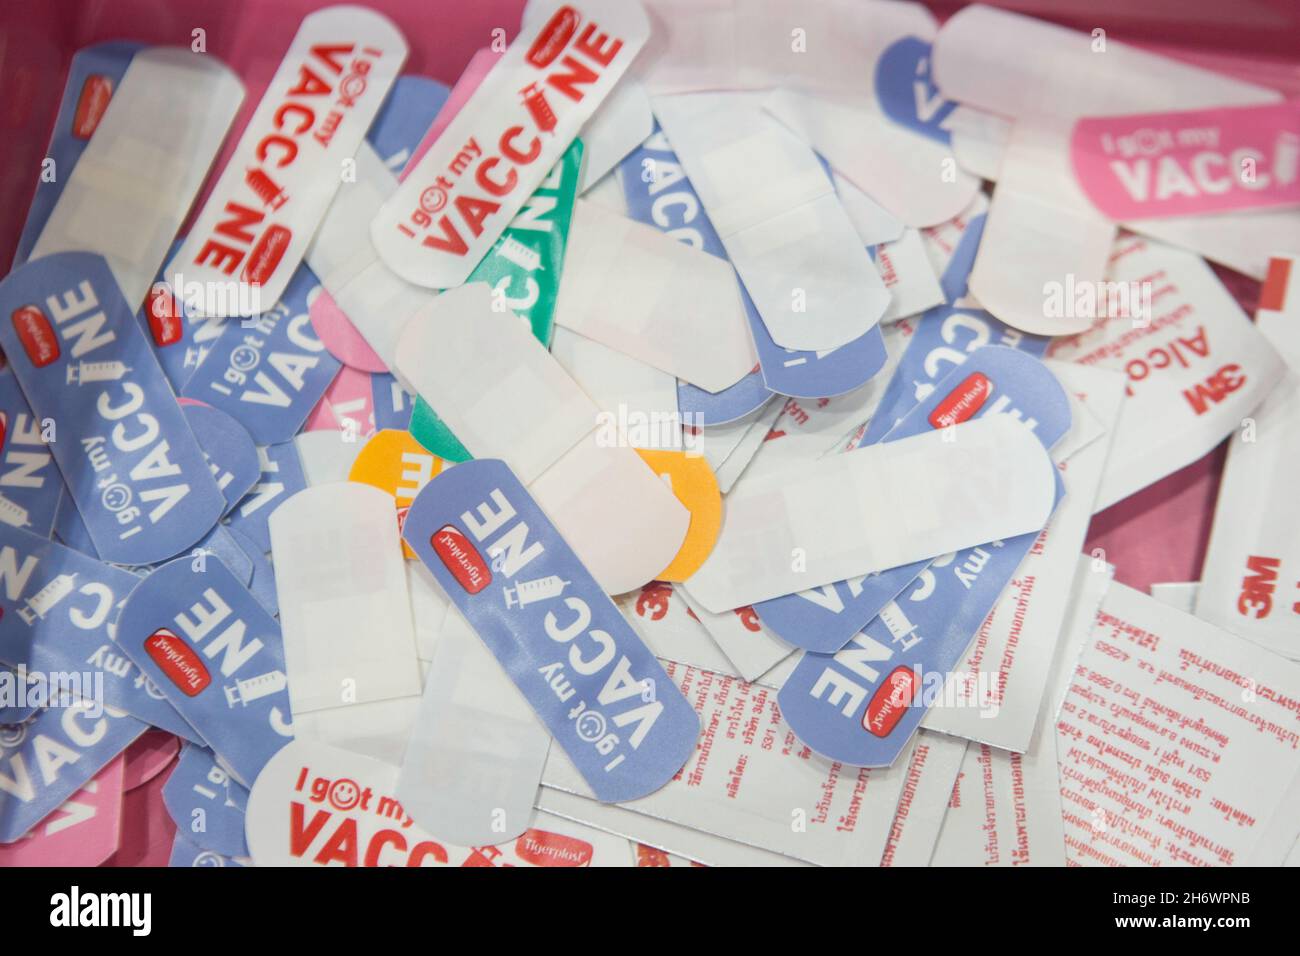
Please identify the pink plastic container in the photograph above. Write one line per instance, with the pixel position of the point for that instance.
(1157, 535)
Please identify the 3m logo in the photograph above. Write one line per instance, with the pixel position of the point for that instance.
(37, 335)
(555, 36)
(890, 702)
(461, 558)
(541, 848)
(1215, 389)
(96, 93)
(164, 316)
(962, 402)
(266, 255)
(1257, 587)
(178, 661)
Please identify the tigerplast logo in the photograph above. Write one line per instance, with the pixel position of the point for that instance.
(96, 93)
(890, 701)
(165, 322)
(461, 558)
(962, 402)
(555, 36)
(36, 334)
(266, 254)
(179, 662)
(543, 848)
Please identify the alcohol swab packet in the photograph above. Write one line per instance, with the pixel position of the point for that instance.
(1006, 808)
(746, 787)
(1252, 563)
(1210, 717)
(1195, 364)
(932, 771)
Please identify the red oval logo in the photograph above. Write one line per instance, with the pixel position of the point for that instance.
(266, 255)
(555, 36)
(164, 316)
(963, 401)
(461, 558)
(541, 848)
(37, 335)
(178, 661)
(890, 702)
(96, 93)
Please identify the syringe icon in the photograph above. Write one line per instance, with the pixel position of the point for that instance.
(525, 257)
(252, 688)
(896, 621)
(527, 592)
(12, 513)
(41, 603)
(266, 189)
(86, 372)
